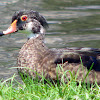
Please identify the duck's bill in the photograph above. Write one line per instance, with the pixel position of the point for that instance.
(11, 29)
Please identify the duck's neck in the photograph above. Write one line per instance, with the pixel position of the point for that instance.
(38, 37)
(35, 35)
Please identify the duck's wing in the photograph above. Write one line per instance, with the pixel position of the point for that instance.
(86, 51)
(87, 56)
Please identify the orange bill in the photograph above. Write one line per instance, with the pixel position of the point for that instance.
(12, 28)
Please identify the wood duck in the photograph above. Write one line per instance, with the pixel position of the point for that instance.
(34, 57)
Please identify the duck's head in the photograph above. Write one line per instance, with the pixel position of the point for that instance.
(27, 20)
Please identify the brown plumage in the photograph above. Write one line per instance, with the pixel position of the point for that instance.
(34, 57)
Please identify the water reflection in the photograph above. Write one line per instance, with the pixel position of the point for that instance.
(71, 23)
(84, 7)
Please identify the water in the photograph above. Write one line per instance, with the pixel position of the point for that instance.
(72, 23)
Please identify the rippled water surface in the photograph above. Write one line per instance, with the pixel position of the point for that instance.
(72, 23)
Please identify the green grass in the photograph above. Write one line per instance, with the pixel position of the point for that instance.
(33, 90)
(11, 89)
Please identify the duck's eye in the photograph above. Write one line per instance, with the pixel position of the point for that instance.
(24, 17)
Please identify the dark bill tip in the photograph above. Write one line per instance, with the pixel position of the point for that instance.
(1, 33)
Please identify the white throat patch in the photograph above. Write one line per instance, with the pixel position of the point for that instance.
(29, 26)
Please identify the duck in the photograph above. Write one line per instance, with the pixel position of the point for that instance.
(36, 59)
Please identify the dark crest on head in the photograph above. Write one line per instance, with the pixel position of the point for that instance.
(31, 14)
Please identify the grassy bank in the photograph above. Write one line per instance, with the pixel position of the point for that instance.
(11, 89)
